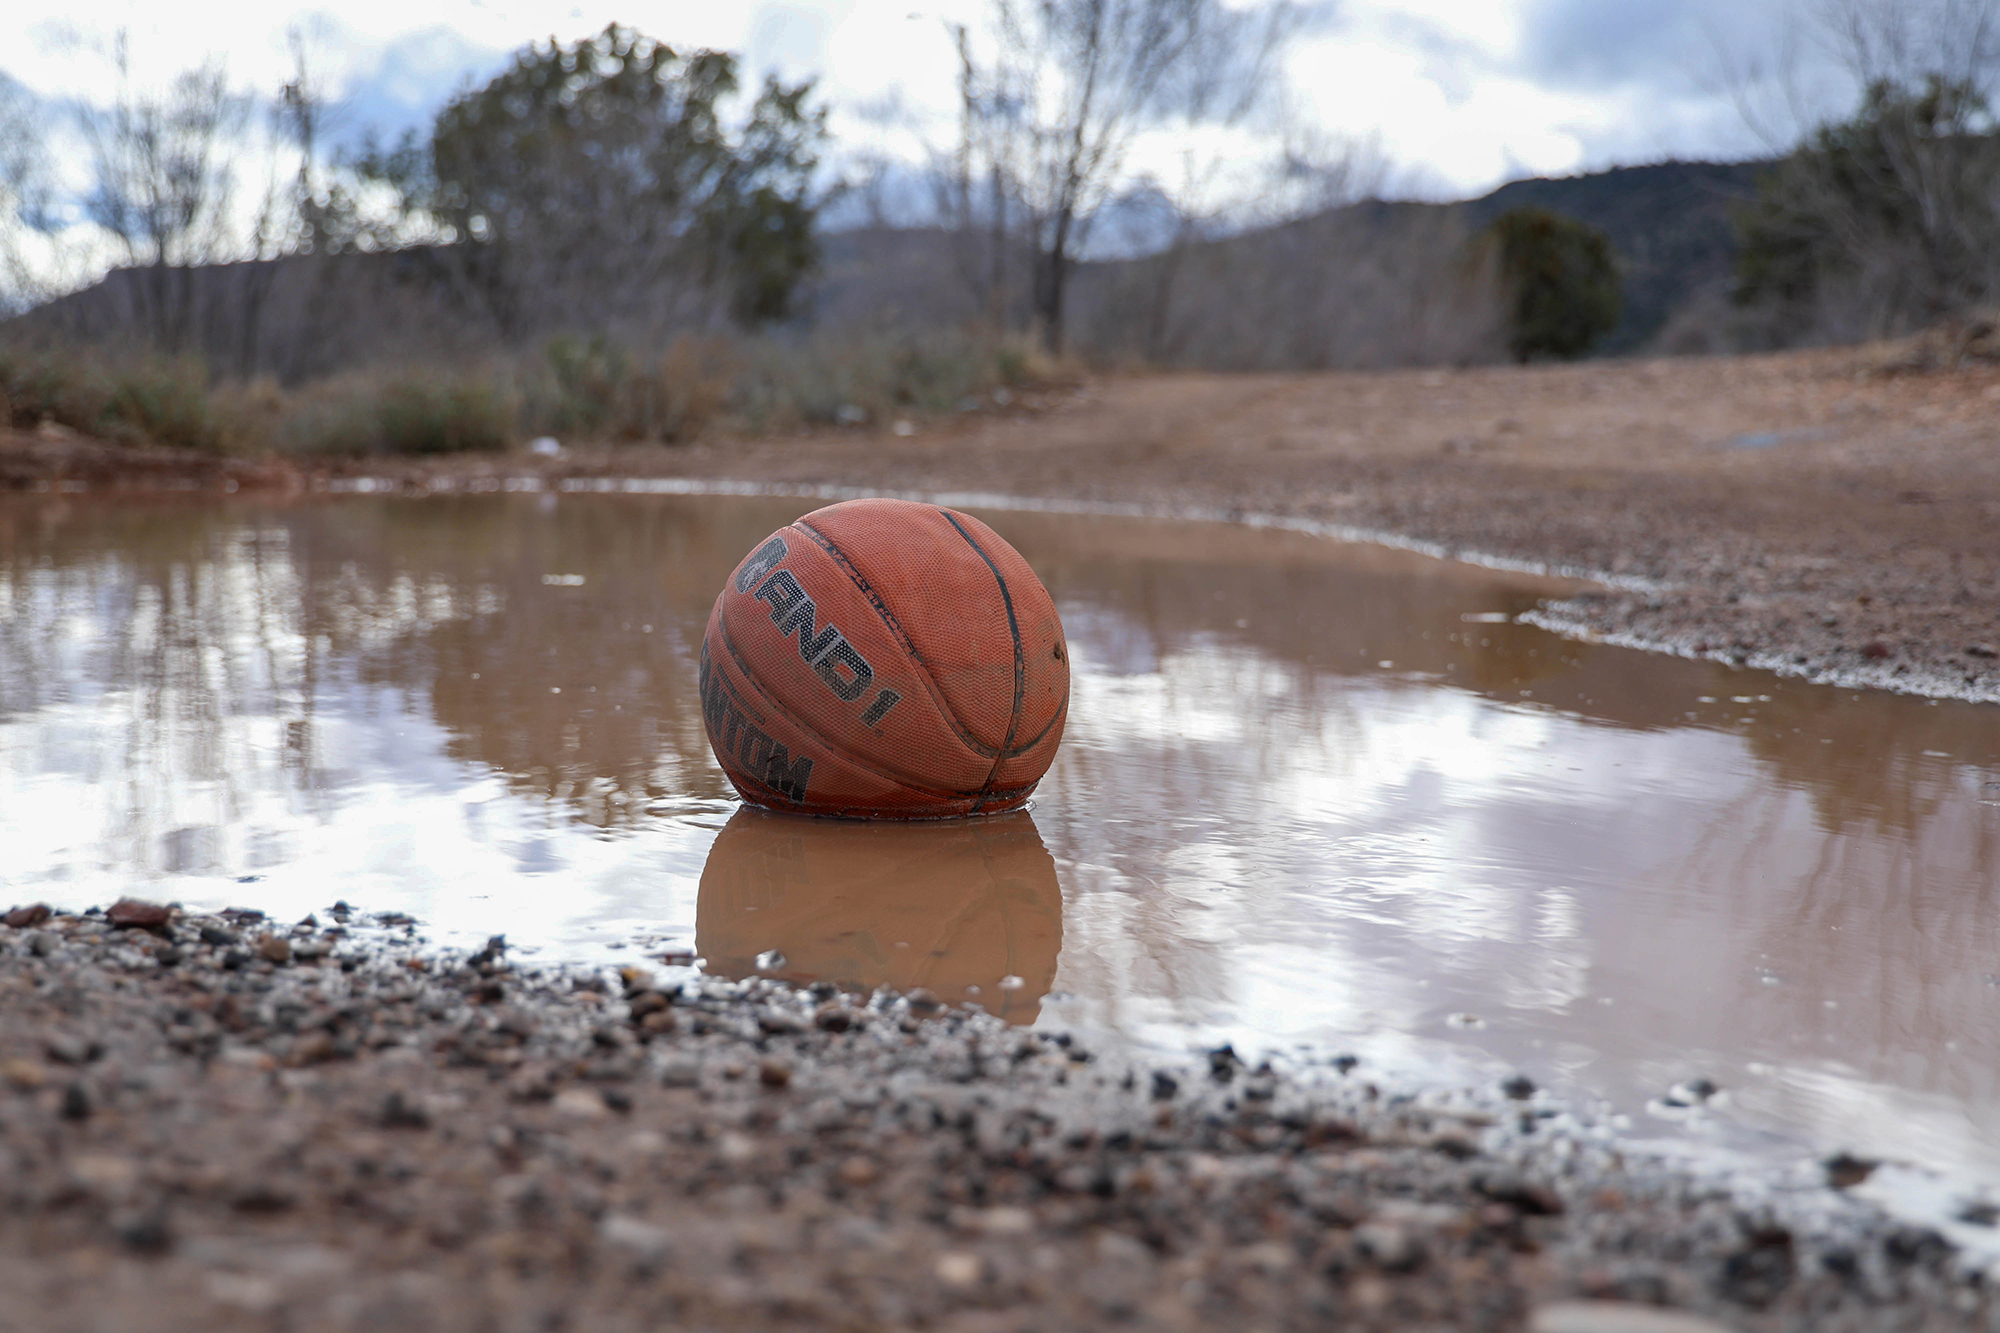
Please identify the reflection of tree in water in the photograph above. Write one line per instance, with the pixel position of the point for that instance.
(582, 694)
(204, 619)
(184, 631)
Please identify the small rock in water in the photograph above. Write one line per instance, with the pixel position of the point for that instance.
(1011, 983)
(1616, 1317)
(138, 914)
(1518, 1088)
(771, 960)
(1844, 1170)
(922, 1001)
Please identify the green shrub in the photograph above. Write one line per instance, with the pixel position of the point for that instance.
(167, 403)
(1561, 282)
(406, 415)
(420, 416)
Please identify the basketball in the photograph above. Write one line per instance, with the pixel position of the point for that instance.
(885, 659)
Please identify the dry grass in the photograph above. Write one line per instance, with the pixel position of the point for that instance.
(577, 389)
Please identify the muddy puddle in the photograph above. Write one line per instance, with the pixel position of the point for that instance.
(1310, 794)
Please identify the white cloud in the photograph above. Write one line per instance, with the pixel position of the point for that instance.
(1469, 93)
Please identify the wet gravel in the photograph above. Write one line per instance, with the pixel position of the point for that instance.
(222, 1122)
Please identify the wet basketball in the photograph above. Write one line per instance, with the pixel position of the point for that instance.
(885, 659)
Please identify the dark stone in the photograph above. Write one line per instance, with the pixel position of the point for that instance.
(1518, 1088)
(1844, 1170)
(1917, 1247)
(401, 1112)
(1223, 1063)
(24, 918)
(218, 937)
(145, 1231)
(138, 914)
(1758, 1274)
(76, 1104)
(1519, 1192)
(1164, 1086)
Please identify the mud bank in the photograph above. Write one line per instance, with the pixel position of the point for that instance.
(221, 1122)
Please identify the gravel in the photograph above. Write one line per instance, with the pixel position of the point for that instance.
(358, 1135)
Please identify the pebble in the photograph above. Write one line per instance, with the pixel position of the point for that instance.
(274, 949)
(583, 1103)
(859, 1171)
(1617, 1317)
(24, 1075)
(21, 918)
(138, 914)
(630, 1233)
(774, 1074)
(69, 1049)
(958, 1269)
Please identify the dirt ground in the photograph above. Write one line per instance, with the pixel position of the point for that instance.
(1834, 514)
(220, 1123)
(226, 1123)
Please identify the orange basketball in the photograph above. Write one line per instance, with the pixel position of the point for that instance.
(885, 659)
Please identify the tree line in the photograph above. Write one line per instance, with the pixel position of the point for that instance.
(619, 186)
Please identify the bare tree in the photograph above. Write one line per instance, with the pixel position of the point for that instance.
(1052, 99)
(25, 195)
(163, 185)
(1890, 217)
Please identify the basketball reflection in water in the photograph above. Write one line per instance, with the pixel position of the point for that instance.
(967, 908)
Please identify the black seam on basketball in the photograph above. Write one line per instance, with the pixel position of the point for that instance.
(1020, 662)
(774, 705)
(1039, 736)
(860, 581)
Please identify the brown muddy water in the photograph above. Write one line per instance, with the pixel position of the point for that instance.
(1311, 794)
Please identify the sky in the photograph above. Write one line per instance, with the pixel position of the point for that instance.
(1460, 95)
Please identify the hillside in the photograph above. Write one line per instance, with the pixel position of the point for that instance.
(1669, 223)
(1372, 284)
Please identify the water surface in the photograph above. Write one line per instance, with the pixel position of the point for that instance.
(1310, 793)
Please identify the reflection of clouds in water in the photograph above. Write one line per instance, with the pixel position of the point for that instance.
(1331, 810)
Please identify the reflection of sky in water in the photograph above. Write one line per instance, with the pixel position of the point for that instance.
(1613, 871)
